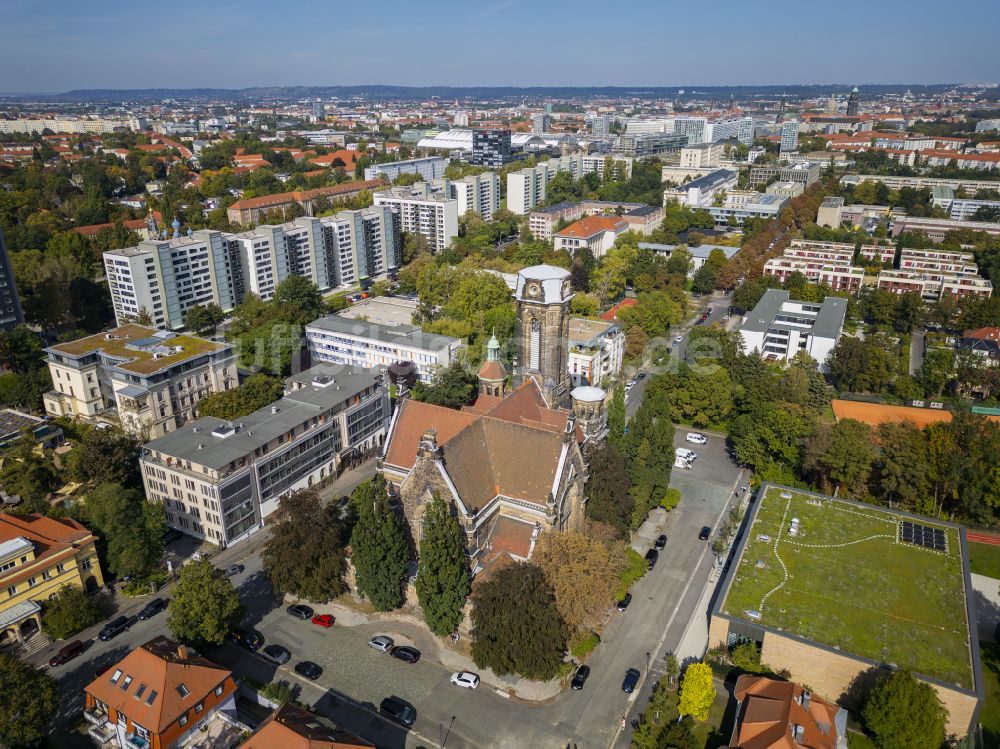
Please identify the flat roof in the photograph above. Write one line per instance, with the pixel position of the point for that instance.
(140, 349)
(709, 180)
(196, 442)
(14, 422)
(384, 310)
(586, 331)
(849, 578)
(829, 315)
(407, 335)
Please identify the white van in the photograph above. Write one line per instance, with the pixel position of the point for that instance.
(683, 452)
(697, 438)
(680, 462)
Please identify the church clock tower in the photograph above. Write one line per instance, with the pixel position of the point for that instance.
(543, 294)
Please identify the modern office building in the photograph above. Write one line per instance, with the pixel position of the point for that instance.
(701, 155)
(780, 327)
(853, 102)
(600, 126)
(358, 343)
(701, 192)
(219, 479)
(785, 189)
(596, 351)
(420, 209)
(491, 148)
(739, 205)
(645, 145)
(805, 172)
(11, 314)
(430, 167)
(150, 380)
(38, 556)
(789, 136)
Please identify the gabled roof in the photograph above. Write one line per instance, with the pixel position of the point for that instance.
(291, 727)
(771, 711)
(593, 225)
(50, 537)
(164, 680)
(413, 419)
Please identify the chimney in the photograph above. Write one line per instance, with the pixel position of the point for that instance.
(182, 652)
(428, 444)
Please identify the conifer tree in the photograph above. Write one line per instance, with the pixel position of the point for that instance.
(443, 576)
(379, 546)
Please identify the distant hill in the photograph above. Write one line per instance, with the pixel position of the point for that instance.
(291, 93)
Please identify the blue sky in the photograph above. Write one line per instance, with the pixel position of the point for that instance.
(57, 45)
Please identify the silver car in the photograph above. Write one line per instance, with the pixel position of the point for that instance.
(381, 643)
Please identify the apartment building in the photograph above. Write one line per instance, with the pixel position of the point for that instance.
(595, 233)
(805, 172)
(38, 556)
(965, 210)
(340, 340)
(429, 167)
(937, 228)
(596, 351)
(840, 251)
(839, 276)
(248, 211)
(740, 205)
(11, 314)
(477, 192)
(159, 696)
(151, 380)
(647, 145)
(526, 188)
(88, 126)
(491, 147)
(893, 182)
(940, 261)
(291, 727)
(219, 479)
(829, 213)
(789, 136)
(701, 192)
(640, 217)
(779, 327)
(698, 255)
(419, 209)
(701, 155)
(934, 285)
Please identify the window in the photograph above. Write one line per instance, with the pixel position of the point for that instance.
(139, 690)
(12, 591)
(152, 697)
(182, 690)
(125, 684)
(61, 567)
(183, 721)
(116, 676)
(86, 564)
(32, 581)
(199, 707)
(218, 691)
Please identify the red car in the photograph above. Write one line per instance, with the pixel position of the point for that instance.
(323, 620)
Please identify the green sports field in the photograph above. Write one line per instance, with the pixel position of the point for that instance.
(846, 580)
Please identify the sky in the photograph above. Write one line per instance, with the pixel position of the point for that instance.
(60, 45)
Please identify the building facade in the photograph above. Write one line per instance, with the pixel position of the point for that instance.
(491, 148)
(596, 351)
(418, 209)
(526, 188)
(11, 314)
(780, 327)
(429, 167)
(219, 479)
(594, 233)
(150, 380)
(542, 296)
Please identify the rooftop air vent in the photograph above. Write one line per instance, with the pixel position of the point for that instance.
(224, 431)
(322, 381)
(274, 409)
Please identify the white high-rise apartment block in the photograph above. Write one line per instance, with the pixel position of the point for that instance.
(790, 136)
(701, 155)
(477, 192)
(526, 187)
(600, 125)
(420, 210)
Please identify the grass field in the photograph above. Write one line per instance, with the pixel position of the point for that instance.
(989, 718)
(984, 559)
(846, 581)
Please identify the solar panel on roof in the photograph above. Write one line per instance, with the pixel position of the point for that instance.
(922, 535)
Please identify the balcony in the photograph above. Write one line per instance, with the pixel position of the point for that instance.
(103, 734)
(96, 715)
(134, 739)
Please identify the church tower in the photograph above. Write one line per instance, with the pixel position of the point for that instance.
(852, 102)
(543, 294)
(493, 374)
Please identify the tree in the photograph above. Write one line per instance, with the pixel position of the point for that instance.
(453, 387)
(21, 350)
(69, 611)
(697, 691)
(616, 419)
(858, 365)
(28, 702)
(904, 713)
(305, 554)
(256, 392)
(903, 465)
(301, 296)
(107, 456)
(516, 625)
(936, 371)
(204, 607)
(583, 574)
(204, 318)
(443, 575)
(703, 399)
(678, 735)
(379, 546)
(608, 497)
(840, 454)
(28, 474)
(130, 526)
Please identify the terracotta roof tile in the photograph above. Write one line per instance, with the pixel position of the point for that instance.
(414, 419)
(291, 727)
(591, 225)
(298, 196)
(770, 709)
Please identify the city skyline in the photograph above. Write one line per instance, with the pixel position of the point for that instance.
(115, 46)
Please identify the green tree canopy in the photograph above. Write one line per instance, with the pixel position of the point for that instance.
(697, 691)
(107, 456)
(379, 546)
(68, 612)
(608, 490)
(130, 526)
(204, 318)
(516, 625)
(454, 386)
(840, 455)
(256, 392)
(443, 575)
(28, 702)
(904, 713)
(204, 607)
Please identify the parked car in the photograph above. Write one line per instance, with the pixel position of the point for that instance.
(684, 453)
(465, 679)
(151, 609)
(381, 643)
(405, 653)
(308, 669)
(651, 556)
(623, 604)
(697, 438)
(705, 533)
(678, 339)
(277, 654)
(580, 677)
(640, 376)
(661, 542)
(233, 570)
(399, 710)
(66, 653)
(323, 620)
(251, 640)
(113, 628)
(631, 680)
(300, 611)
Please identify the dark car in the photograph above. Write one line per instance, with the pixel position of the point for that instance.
(623, 604)
(631, 679)
(308, 669)
(580, 677)
(405, 653)
(399, 710)
(705, 533)
(251, 640)
(233, 570)
(640, 376)
(276, 654)
(113, 628)
(66, 653)
(651, 556)
(152, 608)
(661, 542)
(300, 611)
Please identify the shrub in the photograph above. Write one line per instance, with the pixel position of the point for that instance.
(671, 499)
(584, 644)
(636, 567)
(68, 612)
(278, 691)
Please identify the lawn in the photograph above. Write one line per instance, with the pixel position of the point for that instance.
(990, 716)
(847, 581)
(984, 559)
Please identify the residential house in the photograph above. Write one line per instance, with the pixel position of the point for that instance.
(772, 714)
(291, 727)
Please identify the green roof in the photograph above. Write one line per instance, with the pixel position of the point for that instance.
(847, 580)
